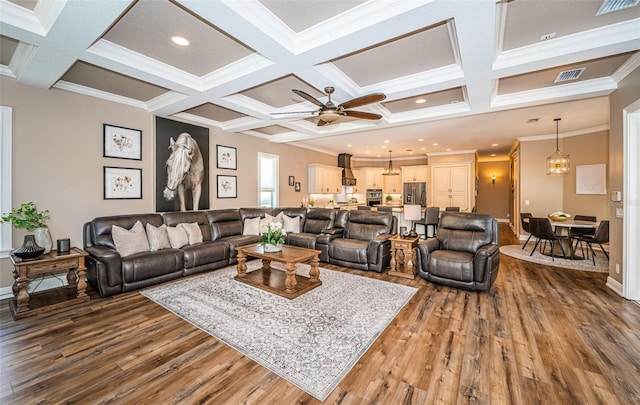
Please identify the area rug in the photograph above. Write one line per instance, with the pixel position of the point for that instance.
(602, 264)
(311, 341)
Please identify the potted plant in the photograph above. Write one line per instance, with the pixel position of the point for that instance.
(273, 236)
(389, 198)
(33, 221)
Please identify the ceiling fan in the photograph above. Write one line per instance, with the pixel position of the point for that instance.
(330, 112)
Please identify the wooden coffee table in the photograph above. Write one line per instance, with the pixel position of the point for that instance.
(286, 283)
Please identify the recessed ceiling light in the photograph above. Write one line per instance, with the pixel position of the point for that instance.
(493, 155)
(421, 101)
(386, 141)
(178, 40)
(423, 148)
(367, 152)
(378, 155)
(384, 146)
(494, 144)
(448, 149)
(349, 145)
(435, 144)
(420, 139)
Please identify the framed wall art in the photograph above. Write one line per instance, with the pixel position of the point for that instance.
(122, 183)
(227, 186)
(292, 180)
(591, 179)
(297, 186)
(226, 157)
(122, 143)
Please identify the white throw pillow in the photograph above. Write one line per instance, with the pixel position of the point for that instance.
(158, 237)
(270, 218)
(130, 241)
(177, 236)
(194, 234)
(251, 226)
(264, 221)
(291, 224)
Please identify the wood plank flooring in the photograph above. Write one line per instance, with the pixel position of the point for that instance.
(543, 335)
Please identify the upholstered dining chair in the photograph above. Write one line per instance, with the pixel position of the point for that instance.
(431, 219)
(456, 209)
(543, 231)
(364, 208)
(525, 225)
(385, 209)
(600, 236)
(577, 232)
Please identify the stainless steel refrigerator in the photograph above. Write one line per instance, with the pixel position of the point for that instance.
(415, 193)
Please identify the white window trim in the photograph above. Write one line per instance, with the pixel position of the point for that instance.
(277, 176)
(5, 177)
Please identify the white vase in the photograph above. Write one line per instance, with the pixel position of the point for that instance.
(43, 238)
(270, 248)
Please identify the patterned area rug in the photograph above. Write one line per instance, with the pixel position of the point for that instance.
(312, 341)
(602, 264)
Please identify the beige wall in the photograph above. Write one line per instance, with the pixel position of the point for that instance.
(58, 163)
(627, 93)
(492, 198)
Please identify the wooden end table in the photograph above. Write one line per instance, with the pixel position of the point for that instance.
(287, 283)
(24, 271)
(402, 257)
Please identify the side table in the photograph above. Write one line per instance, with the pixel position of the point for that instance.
(24, 271)
(402, 257)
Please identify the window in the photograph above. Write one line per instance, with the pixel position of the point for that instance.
(267, 180)
(5, 178)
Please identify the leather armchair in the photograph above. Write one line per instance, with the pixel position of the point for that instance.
(464, 253)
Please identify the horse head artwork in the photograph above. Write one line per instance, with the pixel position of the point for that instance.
(185, 170)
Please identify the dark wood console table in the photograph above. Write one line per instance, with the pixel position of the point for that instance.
(24, 271)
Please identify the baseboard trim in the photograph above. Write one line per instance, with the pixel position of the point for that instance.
(6, 293)
(615, 285)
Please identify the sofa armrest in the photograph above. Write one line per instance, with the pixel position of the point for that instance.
(328, 235)
(485, 262)
(110, 261)
(333, 231)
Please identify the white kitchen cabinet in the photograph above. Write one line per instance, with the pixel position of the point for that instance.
(359, 187)
(324, 179)
(392, 184)
(451, 186)
(372, 177)
(412, 174)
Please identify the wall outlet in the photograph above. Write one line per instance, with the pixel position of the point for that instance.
(526, 202)
(617, 268)
(619, 212)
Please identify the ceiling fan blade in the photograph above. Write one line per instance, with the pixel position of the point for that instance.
(294, 112)
(359, 101)
(308, 97)
(362, 114)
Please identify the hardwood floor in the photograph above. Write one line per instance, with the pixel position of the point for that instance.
(542, 335)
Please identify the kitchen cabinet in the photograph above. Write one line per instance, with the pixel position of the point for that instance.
(359, 187)
(451, 186)
(324, 179)
(392, 184)
(372, 177)
(412, 174)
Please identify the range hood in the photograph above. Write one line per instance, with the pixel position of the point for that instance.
(344, 161)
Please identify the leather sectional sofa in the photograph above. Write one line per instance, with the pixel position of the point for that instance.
(356, 239)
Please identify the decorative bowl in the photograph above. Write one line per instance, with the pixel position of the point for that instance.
(558, 218)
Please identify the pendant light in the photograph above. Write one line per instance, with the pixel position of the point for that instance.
(389, 171)
(558, 163)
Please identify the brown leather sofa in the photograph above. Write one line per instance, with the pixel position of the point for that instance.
(222, 231)
(463, 254)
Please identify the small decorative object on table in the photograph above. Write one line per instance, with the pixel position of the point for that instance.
(273, 236)
(559, 216)
(28, 217)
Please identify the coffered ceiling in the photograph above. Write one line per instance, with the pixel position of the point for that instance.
(481, 69)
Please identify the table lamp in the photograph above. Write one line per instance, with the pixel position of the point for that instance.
(412, 213)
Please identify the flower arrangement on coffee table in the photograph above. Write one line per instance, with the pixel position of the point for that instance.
(273, 236)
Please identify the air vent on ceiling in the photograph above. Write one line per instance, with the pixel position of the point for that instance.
(566, 75)
(609, 6)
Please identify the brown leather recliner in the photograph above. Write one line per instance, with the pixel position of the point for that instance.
(464, 253)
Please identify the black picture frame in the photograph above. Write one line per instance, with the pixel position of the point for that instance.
(121, 143)
(292, 180)
(227, 186)
(297, 187)
(226, 157)
(122, 183)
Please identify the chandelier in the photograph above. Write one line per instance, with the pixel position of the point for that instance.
(390, 171)
(558, 163)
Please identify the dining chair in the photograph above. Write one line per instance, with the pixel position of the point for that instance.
(364, 208)
(577, 232)
(543, 231)
(600, 236)
(525, 225)
(431, 219)
(452, 208)
(385, 209)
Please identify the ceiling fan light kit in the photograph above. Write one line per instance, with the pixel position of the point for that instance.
(558, 163)
(329, 112)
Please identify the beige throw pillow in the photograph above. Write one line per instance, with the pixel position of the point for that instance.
(130, 241)
(251, 226)
(158, 237)
(291, 224)
(194, 234)
(177, 236)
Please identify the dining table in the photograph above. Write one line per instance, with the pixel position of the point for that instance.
(563, 228)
